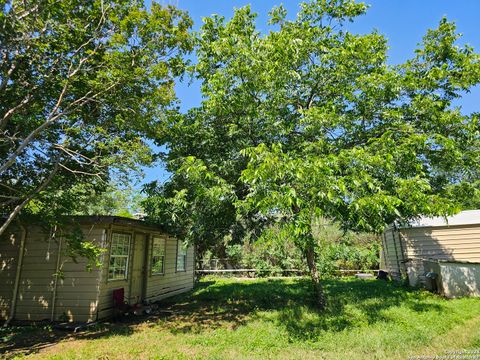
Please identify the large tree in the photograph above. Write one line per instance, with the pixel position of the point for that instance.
(309, 121)
(82, 85)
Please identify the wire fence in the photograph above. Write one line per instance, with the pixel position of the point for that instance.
(226, 268)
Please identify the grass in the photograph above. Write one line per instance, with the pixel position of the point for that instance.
(272, 319)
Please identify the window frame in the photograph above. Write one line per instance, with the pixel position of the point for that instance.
(157, 237)
(127, 263)
(180, 245)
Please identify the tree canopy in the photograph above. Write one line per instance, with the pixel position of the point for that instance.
(116, 199)
(82, 85)
(309, 120)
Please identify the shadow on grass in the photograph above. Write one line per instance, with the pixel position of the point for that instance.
(288, 303)
(353, 303)
(27, 339)
(231, 303)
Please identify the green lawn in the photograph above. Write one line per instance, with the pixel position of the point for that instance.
(273, 318)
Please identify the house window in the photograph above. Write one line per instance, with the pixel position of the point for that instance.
(181, 256)
(119, 253)
(158, 256)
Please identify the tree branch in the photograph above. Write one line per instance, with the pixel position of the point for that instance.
(12, 111)
(20, 206)
(78, 172)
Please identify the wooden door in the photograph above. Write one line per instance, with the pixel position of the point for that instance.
(138, 269)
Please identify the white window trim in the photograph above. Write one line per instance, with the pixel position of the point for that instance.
(179, 244)
(127, 265)
(152, 255)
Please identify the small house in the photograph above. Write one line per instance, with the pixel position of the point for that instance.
(40, 280)
(440, 253)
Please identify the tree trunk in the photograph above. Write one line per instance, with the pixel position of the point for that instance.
(320, 300)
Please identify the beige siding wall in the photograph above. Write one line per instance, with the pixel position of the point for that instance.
(9, 251)
(78, 294)
(105, 300)
(172, 282)
(156, 286)
(73, 297)
(35, 293)
(457, 242)
(449, 243)
(78, 288)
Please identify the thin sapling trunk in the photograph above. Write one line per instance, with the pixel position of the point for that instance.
(319, 296)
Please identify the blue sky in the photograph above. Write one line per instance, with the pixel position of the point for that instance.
(402, 22)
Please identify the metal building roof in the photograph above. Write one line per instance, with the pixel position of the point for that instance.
(467, 217)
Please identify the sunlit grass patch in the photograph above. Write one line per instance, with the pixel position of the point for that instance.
(275, 318)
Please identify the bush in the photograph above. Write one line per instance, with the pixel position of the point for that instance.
(273, 253)
(351, 252)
